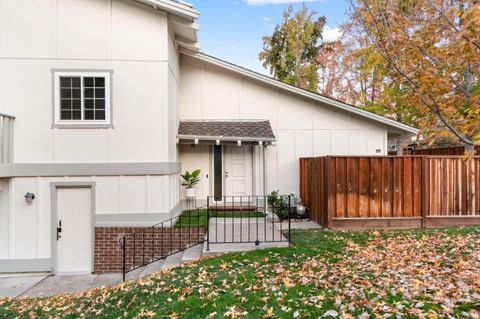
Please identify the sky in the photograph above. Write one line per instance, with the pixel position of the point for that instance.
(232, 30)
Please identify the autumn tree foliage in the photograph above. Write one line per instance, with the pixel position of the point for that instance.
(432, 50)
(290, 53)
(416, 61)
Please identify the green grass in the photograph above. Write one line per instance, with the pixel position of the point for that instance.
(199, 218)
(389, 274)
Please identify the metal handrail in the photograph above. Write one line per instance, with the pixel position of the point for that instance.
(161, 225)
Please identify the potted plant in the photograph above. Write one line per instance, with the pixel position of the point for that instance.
(189, 181)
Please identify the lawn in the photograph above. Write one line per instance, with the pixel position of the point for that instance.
(192, 218)
(408, 274)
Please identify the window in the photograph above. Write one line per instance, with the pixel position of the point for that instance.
(82, 99)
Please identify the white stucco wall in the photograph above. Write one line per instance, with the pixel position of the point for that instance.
(133, 41)
(25, 228)
(302, 127)
(129, 38)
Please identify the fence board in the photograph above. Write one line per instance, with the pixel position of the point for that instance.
(353, 194)
(364, 185)
(387, 184)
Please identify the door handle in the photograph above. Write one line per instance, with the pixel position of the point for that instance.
(59, 229)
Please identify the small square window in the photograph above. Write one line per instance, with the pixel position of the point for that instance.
(82, 98)
(88, 82)
(99, 93)
(99, 82)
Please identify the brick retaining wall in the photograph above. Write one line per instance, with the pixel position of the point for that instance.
(148, 242)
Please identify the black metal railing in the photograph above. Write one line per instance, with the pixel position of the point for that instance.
(248, 219)
(159, 241)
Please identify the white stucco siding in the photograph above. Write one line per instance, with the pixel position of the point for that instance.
(4, 213)
(25, 229)
(197, 157)
(125, 37)
(174, 81)
(87, 29)
(303, 127)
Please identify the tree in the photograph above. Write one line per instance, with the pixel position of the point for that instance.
(354, 72)
(432, 52)
(290, 53)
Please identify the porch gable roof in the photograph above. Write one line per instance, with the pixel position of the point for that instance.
(226, 130)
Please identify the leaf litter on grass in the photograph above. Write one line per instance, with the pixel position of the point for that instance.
(410, 275)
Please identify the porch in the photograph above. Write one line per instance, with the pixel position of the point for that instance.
(231, 155)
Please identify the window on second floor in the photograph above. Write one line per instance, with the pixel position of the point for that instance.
(82, 99)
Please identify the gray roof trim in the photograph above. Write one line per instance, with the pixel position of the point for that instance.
(176, 8)
(317, 97)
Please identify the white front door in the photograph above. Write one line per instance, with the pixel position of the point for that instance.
(238, 170)
(74, 218)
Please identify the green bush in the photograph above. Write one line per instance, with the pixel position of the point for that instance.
(280, 204)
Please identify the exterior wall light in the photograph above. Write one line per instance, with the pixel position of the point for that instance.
(29, 197)
(239, 143)
(260, 143)
(217, 142)
(195, 141)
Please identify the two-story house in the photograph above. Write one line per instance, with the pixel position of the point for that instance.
(104, 102)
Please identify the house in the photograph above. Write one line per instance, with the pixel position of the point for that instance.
(104, 102)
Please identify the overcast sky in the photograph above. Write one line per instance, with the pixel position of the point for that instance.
(233, 29)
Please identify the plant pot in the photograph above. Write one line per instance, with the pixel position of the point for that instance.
(190, 192)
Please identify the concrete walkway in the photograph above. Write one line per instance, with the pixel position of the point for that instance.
(237, 234)
(43, 285)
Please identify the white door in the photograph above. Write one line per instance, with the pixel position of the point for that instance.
(74, 214)
(238, 170)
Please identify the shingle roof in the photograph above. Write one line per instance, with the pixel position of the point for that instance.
(247, 129)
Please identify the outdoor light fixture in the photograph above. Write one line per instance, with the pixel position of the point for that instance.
(217, 142)
(239, 143)
(260, 143)
(195, 141)
(273, 143)
(29, 197)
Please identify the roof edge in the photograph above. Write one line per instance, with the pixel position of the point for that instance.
(173, 7)
(314, 96)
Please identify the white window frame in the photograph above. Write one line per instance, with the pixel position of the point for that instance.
(58, 123)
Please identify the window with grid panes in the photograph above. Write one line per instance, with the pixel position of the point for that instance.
(82, 98)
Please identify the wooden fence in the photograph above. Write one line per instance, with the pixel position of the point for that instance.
(391, 191)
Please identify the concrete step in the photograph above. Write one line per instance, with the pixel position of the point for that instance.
(153, 267)
(219, 249)
(134, 275)
(173, 261)
(192, 253)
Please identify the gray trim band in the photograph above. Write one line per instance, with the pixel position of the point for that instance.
(25, 265)
(88, 169)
